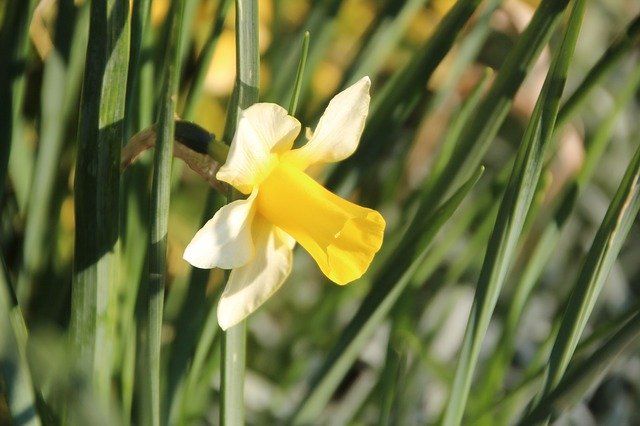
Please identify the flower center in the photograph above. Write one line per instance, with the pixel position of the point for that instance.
(342, 237)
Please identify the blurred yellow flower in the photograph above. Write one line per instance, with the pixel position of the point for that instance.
(255, 236)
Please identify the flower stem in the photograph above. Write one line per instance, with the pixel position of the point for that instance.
(248, 76)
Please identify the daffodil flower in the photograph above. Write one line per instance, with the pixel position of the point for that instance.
(255, 236)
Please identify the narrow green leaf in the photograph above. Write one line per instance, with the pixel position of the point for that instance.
(202, 354)
(612, 56)
(196, 327)
(135, 208)
(320, 23)
(97, 181)
(297, 85)
(545, 245)
(597, 264)
(385, 291)
(145, 99)
(390, 376)
(152, 292)
(515, 399)
(458, 123)
(511, 216)
(192, 333)
(580, 378)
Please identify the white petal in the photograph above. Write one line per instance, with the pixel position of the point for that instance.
(252, 284)
(337, 135)
(225, 241)
(248, 160)
(262, 129)
(272, 123)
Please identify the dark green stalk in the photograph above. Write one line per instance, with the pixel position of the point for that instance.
(97, 182)
(147, 79)
(153, 291)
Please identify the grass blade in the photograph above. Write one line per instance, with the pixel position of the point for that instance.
(618, 50)
(386, 289)
(458, 122)
(549, 238)
(153, 290)
(297, 85)
(468, 50)
(581, 377)
(598, 262)
(97, 182)
(196, 330)
(511, 217)
(319, 23)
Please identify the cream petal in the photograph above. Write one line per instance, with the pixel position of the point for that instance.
(272, 123)
(252, 284)
(248, 160)
(337, 135)
(225, 241)
(263, 129)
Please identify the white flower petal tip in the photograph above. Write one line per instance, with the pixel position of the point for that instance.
(251, 285)
(225, 241)
(338, 132)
